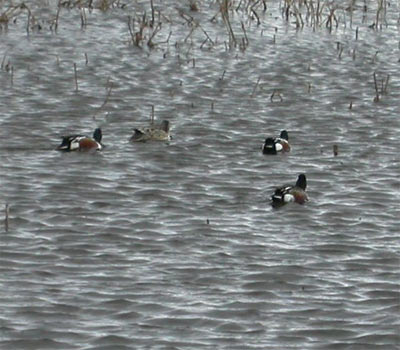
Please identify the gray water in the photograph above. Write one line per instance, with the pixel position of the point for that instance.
(175, 245)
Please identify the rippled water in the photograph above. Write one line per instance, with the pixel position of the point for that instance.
(175, 246)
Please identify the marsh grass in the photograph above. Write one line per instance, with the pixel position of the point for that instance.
(380, 87)
(157, 26)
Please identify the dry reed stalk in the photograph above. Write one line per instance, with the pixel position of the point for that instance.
(152, 115)
(152, 14)
(376, 98)
(375, 57)
(245, 39)
(150, 43)
(83, 17)
(340, 52)
(2, 62)
(110, 84)
(109, 89)
(255, 86)
(380, 13)
(205, 33)
(57, 16)
(384, 88)
(330, 19)
(76, 77)
(335, 150)
(131, 29)
(224, 9)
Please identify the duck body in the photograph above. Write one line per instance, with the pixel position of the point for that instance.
(81, 143)
(152, 133)
(287, 193)
(277, 144)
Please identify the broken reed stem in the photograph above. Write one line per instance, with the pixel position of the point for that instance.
(155, 31)
(224, 9)
(107, 96)
(152, 115)
(57, 15)
(83, 17)
(255, 87)
(386, 83)
(205, 33)
(6, 215)
(376, 99)
(105, 100)
(131, 29)
(4, 59)
(378, 12)
(246, 39)
(152, 14)
(335, 150)
(76, 78)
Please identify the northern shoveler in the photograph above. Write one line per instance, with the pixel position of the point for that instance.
(277, 144)
(288, 193)
(81, 142)
(152, 133)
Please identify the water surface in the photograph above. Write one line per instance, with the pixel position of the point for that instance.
(175, 245)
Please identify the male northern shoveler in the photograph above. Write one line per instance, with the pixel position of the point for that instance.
(287, 193)
(81, 142)
(277, 144)
(152, 133)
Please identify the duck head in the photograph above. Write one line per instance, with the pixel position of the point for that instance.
(269, 146)
(97, 135)
(301, 182)
(284, 135)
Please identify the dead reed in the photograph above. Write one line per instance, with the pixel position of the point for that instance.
(255, 87)
(335, 150)
(109, 87)
(76, 77)
(380, 87)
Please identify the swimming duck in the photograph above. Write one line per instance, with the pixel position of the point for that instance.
(81, 142)
(287, 193)
(277, 144)
(152, 133)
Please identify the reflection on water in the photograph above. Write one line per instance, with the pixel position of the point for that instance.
(175, 245)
